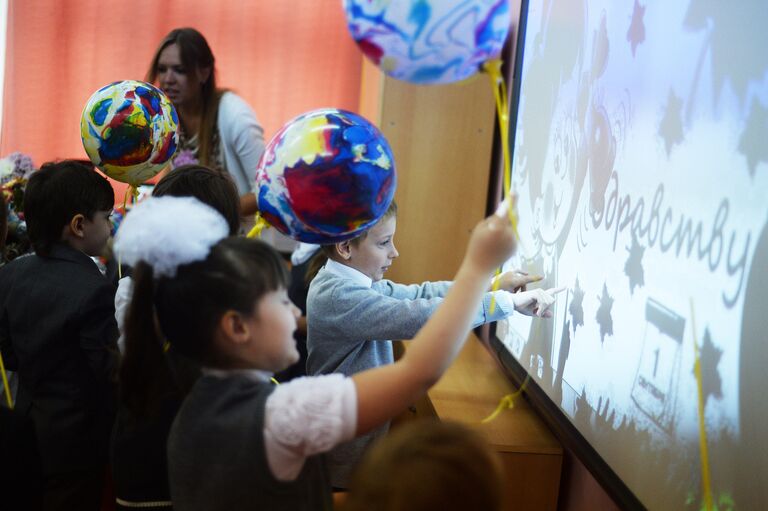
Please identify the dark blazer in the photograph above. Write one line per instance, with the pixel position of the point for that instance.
(58, 331)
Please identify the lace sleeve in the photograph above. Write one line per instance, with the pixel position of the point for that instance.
(307, 416)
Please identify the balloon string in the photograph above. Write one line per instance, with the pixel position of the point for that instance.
(703, 452)
(499, 86)
(6, 387)
(507, 402)
(133, 192)
(261, 223)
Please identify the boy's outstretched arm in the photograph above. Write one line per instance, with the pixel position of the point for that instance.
(514, 281)
(385, 391)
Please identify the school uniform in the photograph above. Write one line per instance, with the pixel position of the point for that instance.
(351, 322)
(240, 442)
(57, 330)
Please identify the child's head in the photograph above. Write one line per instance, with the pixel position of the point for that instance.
(207, 185)
(373, 251)
(425, 465)
(230, 309)
(68, 202)
(221, 302)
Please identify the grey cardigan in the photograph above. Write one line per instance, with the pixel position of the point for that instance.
(350, 328)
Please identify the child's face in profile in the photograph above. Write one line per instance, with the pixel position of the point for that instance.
(374, 255)
(272, 326)
(96, 232)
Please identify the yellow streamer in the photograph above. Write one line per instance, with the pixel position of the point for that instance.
(260, 225)
(6, 387)
(499, 86)
(702, 428)
(273, 380)
(133, 192)
(507, 402)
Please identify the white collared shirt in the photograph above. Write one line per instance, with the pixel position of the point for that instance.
(347, 272)
(303, 252)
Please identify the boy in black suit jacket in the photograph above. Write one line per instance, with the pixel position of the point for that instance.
(58, 331)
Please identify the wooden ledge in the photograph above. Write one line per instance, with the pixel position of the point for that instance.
(471, 390)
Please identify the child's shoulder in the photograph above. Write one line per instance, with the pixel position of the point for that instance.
(71, 269)
(327, 283)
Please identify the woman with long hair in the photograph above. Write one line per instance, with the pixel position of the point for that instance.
(218, 128)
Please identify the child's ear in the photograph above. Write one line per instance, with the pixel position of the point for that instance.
(76, 225)
(234, 327)
(344, 249)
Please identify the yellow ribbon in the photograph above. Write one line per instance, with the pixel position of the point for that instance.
(133, 192)
(260, 225)
(499, 86)
(6, 387)
(273, 380)
(507, 402)
(703, 452)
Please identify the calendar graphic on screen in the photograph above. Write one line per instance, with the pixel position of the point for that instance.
(655, 387)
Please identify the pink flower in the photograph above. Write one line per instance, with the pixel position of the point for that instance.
(185, 157)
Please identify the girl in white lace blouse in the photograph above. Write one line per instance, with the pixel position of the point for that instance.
(238, 441)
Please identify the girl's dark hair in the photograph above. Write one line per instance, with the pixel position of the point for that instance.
(56, 193)
(209, 186)
(185, 311)
(195, 55)
(315, 263)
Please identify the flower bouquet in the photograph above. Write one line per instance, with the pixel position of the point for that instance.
(15, 170)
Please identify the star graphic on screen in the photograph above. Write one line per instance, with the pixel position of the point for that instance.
(636, 32)
(603, 316)
(709, 358)
(671, 128)
(736, 43)
(752, 143)
(634, 265)
(576, 309)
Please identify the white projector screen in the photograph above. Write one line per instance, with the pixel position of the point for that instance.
(640, 156)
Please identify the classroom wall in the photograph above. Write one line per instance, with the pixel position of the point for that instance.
(281, 59)
(441, 137)
(579, 490)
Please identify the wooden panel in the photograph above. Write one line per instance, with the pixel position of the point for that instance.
(441, 137)
(531, 456)
(580, 491)
(371, 81)
(471, 389)
(532, 481)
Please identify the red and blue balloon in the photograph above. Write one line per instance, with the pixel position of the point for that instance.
(130, 130)
(325, 177)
